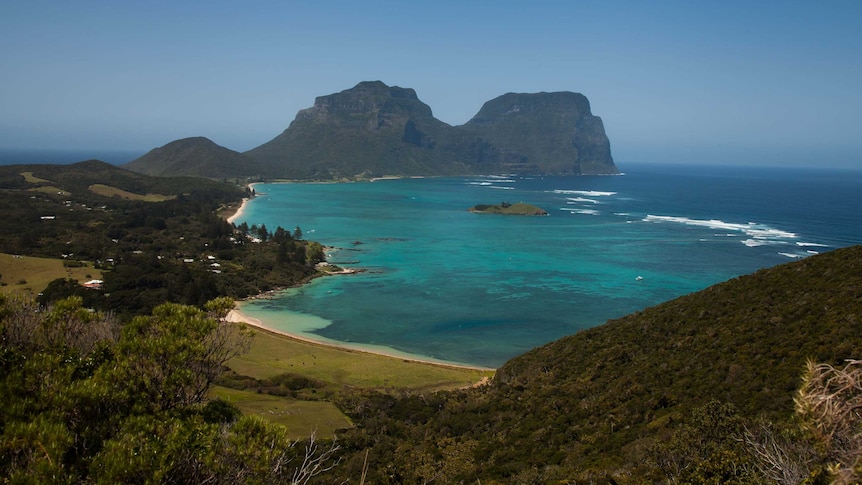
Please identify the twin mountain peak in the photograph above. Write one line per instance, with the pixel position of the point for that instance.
(374, 130)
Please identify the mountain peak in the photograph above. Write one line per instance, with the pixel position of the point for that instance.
(373, 129)
(367, 97)
(555, 131)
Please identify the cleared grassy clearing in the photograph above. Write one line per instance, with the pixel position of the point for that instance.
(272, 354)
(50, 189)
(108, 191)
(302, 418)
(28, 275)
(32, 179)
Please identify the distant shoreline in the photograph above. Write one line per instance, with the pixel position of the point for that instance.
(241, 209)
(237, 316)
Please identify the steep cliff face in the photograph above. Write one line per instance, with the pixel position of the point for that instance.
(374, 129)
(197, 156)
(552, 133)
(371, 129)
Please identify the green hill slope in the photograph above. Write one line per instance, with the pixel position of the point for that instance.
(156, 239)
(594, 402)
(198, 157)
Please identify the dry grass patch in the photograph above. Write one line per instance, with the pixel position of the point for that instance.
(28, 275)
(50, 189)
(108, 191)
(32, 179)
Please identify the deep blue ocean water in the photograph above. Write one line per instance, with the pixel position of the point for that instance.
(11, 156)
(444, 283)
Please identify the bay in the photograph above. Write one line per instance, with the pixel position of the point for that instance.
(446, 284)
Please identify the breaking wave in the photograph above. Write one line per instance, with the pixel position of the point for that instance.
(590, 212)
(758, 234)
(588, 193)
(573, 200)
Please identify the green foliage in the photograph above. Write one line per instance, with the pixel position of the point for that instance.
(170, 359)
(600, 401)
(287, 384)
(83, 402)
(707, 449)
(176, 250)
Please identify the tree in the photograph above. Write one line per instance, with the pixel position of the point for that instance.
(707, 449)
(314, 252)
(280, 235)
(82, 407)
(283, 255)
(297, 233)
(170, 359)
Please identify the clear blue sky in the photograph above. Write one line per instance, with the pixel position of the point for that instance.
(674, 81)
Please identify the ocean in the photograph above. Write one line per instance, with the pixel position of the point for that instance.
(11, 156)
(446, 284)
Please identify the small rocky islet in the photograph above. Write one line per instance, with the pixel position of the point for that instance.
(505, 208)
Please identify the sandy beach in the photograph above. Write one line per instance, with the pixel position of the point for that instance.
(239, 212)
(237, 316)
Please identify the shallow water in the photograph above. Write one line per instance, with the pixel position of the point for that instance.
(480, 288)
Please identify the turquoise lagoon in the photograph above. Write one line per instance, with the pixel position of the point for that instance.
(445, 284)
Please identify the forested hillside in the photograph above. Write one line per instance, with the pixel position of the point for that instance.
(603, 402)
(701, 389)
(157, 239)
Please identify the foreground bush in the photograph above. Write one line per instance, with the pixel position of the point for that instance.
(85, 400)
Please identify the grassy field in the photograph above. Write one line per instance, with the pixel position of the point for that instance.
(26, 275)
(108, 191)
(273, 354)
(32, 179)
(300, 417)
(50, 189)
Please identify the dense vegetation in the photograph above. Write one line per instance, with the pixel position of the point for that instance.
(169, 247)
(714, 387)
(602, 402)
(85, 400)
(196, 156)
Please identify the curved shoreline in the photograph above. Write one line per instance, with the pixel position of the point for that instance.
(241, 209)
(237, 316)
